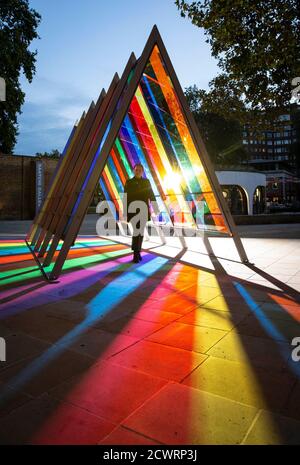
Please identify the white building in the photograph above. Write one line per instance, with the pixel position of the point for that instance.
(244, 190)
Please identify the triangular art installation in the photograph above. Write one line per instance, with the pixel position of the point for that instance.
(143, 117)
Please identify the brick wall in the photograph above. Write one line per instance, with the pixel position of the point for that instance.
(17, 185)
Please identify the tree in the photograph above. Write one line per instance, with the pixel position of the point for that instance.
(53, 154)
(222, 136)
(257, 46)
(18, 25)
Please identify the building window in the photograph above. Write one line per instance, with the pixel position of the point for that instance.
(284, 118)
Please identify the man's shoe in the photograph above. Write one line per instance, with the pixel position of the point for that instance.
(140, 257)
(135, 257)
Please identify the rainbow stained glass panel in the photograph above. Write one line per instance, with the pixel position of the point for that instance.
(155, 133)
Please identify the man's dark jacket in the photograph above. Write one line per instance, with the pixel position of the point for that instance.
(138, 189)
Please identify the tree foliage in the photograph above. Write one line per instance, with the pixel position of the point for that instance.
(53, 154)
(257, 46)
(18, 27)
(222, 136)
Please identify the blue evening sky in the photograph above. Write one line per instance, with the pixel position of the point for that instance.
(82, 44)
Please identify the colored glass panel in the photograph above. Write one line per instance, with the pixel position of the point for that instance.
(155, 133)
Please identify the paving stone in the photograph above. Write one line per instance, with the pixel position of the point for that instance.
(292, 408)
(67, 309)
(36, 375)
(201, 294)
(101, 344)
(21, 346)
(213, 318)
(6, 331)
(12, 399)
(109, 391)
(286, 299)
(158, 360)
(154, 311)
(262, 352)
(123, 436)
(189, 337)
(185, 310)
(41, 326)
(133, 327)
(92, 291)
(276, 329)
(281, 312)
(47, 421)
(127, 307)
(226, 304)
(177, 303)
(242, 382)
(271, 429)
(182, 415)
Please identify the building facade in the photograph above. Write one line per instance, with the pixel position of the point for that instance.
(276, 153)
(23, 181)
(244, 190)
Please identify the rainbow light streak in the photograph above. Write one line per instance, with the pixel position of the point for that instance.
(16, 249)
(112, 294)
(14, 300)
(269, 327)
(24, 274)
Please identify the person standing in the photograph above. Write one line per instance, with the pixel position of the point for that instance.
(138, 189)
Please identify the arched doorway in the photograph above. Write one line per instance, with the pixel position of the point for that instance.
(236, 199)
(259, 197)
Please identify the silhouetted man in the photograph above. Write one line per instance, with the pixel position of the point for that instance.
(138, 189)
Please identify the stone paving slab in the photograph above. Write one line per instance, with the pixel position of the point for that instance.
(19, 347)
(124, 436)
(179, 414)
(272, 429)
(36, 375)
(37, 421)
(13, 399)
(133, 327)
(261, 352)
(292, 407)
(109, 391)
(242, 383)
(276, 329)
(40, 326)
(189, 337)
(190, 356)
(159, 360)
(99, 344)
(214, 319)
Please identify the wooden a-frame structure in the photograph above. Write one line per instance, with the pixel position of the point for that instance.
(56, 225)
